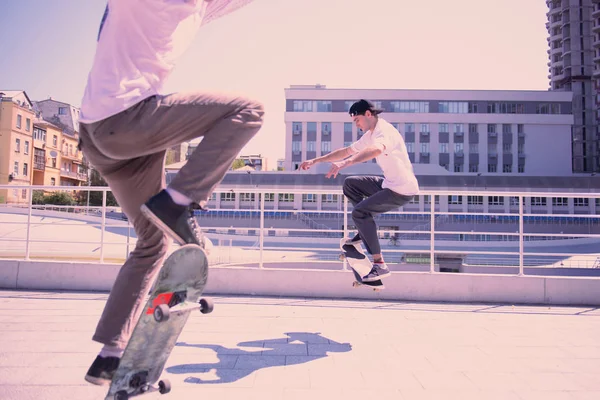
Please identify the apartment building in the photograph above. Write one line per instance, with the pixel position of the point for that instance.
(462, 131)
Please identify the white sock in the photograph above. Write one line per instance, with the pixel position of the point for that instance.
(111, 351)
(179, 198)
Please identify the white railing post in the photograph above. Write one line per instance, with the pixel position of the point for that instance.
(432, 233)
(345, 263)
(261, 234)
(521, 244)
(30, 201)
(103, 226)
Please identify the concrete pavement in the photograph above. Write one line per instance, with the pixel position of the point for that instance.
(298, 348)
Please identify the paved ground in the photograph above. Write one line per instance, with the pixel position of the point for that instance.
(272, 348)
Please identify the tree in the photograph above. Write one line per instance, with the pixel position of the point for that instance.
(238, 163)
(96, 197)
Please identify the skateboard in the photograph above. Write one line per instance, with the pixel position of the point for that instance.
(360, 265)
(175, 294)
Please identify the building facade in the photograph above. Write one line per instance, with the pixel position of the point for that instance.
(573, 52)
(16, 144)
(464, 132)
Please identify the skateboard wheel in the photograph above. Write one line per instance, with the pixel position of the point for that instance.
(164, 386)
(121, 395)
(342, 257)
(162, 313)
(206, 306)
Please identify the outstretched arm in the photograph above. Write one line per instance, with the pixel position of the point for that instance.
(361, 156)
(336, 155)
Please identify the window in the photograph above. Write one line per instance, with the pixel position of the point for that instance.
(309, 198)
(538, 201)
(296, 147)
(27, 124)
(26, 147)
(473, 168)
(424, 128)
(52, 181)
(496, 200)
(459, 128)
(580, 202)
(507, 147)
(458, 148)
(62, 110)
(521, 168)
(507, 168)
(473, 147)
(17, 145)
(16, 168)
(475, 200)
(492, 167)
(247, 196)
(18, 124)
(560, 201)
(458, 167)
(443, 147)
(424, 148)
(325, 147)
(54, 140)
(410, 147)
(311, 146)
(329, 198)
(409, 127)
(286, 197)
(409, 106)
(297, 128)
(325, 128)
(24, 169)
(453, 107)
(454, 199)
(506, 128)
(228, 196)
(443, 128)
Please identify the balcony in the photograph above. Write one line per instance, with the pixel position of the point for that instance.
(73, 175)
(71, 156)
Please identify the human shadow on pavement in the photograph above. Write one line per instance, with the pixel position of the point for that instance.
(235, 364)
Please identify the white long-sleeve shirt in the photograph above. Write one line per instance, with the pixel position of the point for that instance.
(138, 45)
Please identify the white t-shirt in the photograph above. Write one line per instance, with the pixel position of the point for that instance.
(138, 45)
(397, 169)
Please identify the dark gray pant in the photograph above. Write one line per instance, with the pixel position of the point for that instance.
(129, 149)
(369, 198)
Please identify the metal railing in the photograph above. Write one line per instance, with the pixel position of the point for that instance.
(321, 239)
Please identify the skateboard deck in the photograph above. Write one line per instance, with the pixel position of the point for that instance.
(175, 294)
(360, 265)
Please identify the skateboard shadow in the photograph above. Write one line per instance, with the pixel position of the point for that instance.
(235, 364)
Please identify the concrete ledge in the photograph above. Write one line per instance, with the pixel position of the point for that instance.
(9, 271)
(409, 286)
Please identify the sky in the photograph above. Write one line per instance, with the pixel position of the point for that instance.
(47, 47)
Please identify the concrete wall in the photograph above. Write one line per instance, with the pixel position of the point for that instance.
(407, 286)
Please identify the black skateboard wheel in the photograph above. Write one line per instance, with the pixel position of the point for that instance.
(206, 306)
(122, 395)
(164, 386)
(162, 313)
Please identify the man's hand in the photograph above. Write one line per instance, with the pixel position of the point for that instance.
(307, 164)
(336, 167)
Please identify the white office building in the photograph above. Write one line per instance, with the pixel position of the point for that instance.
(446, 131)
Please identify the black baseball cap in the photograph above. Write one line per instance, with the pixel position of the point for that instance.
(362, 106)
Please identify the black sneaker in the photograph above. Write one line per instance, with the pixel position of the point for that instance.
(175, 220)
(102, 370)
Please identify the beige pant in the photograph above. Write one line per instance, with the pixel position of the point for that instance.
(129, 149)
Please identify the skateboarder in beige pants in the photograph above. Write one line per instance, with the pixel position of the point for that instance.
(127, 125)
